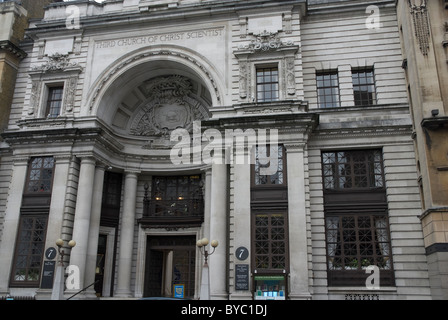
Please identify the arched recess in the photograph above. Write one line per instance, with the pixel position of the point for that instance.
(120, 91)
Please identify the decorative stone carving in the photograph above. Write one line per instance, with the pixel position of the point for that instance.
(171, 105)
(266, 41)
(244, 76)
(36, 86)
(70, 91)
(269, 47)
(419, 14)
(290, 76)
(56, 62)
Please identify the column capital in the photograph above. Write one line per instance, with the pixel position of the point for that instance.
(132, 172)
(296, 147)
(87, 158)
(63, 158)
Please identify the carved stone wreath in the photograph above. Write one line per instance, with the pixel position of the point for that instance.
(170, 105)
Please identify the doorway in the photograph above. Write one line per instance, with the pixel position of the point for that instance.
(170, 263)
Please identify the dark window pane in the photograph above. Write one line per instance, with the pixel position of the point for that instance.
(328, 90)
(364, 87)
(267, 84)
(54, 101)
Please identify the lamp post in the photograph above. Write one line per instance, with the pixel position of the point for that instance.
(205, 283)
(58, 285)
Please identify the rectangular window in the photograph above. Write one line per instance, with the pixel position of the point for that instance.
(356, 219)
(353, 170)
(40, 175)
(364, 87)
(270, 242)
(267, 84)
(266, 171)
(328, 89)
(54, 101)
(29, 252)
(174, 200)
(357, 241)
(112, 190)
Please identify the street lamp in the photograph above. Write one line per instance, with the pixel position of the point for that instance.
(205, 283)
(58, 286)
(60, 243)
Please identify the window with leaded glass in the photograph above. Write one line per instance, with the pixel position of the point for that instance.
(29, 252)
(328, 89)
(267, 84)
(269, 167)
(353, 169)
(364, 87)
(40, 175)
(174, 200)
(355, 242)
(270, 242)
(356, 217)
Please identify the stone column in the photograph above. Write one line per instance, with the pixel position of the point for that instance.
(11, 221)
(218, 231)
(78, 255)
(127, 236)
(298, 242)
(58, 197)
(241, 218)
(92, 249)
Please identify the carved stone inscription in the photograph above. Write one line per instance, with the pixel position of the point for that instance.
(160, 38)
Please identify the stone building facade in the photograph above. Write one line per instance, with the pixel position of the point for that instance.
(424, 33)
(139, 127)
(15, 16)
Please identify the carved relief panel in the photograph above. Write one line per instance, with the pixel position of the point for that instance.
(171, 104)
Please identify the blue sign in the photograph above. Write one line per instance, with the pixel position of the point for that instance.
(179, 291)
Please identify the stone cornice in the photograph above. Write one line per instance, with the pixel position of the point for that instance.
(63, 132)
(159, 11)
(300, 122)
(8, 46)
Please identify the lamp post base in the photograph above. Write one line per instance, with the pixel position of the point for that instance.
(205, 285)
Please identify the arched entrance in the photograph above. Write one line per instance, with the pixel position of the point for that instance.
(140, 107)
